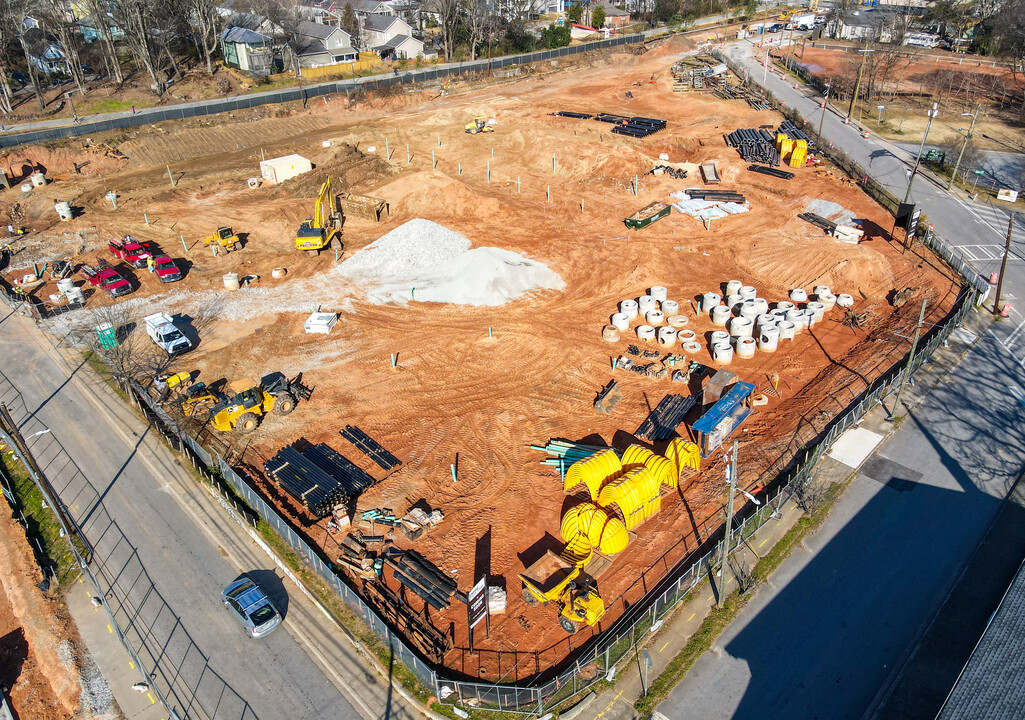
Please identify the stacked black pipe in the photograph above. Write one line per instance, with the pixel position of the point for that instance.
(664, 419)
(421, 576)
(622, 125)
(716, 195)
(318, 477)
(788, 128)
(370, 447)
(754, 145)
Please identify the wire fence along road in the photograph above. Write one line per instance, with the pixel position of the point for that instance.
(168, 659)
(342, 87)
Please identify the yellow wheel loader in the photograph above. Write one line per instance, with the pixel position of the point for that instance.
(478, 125)
(568, 582)
(247, 402)
(317, 233)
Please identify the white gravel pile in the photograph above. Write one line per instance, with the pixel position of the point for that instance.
(426, 262)
(830, 211)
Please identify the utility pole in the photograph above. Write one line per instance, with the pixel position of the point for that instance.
(857, 85)
(911, 356)
(732, 468)
(964, 145)
(918, 161)
(825, 101)
(1003, 263)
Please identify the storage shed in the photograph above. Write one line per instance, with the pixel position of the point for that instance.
(277, 170)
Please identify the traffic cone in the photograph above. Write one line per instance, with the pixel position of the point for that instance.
(1006, 310)
(993, 278)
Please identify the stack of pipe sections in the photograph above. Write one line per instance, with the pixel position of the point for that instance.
(787, 330)
(670, 307)
(720, 336)
(621, 321)
(720, 315)
(762, 304)
(828, 300)
(746, 347)
(768, 339)
(733, 287)
(654, 317)
(628, 308)
(667, 336)
(709, 300)
(733, 300)
(749, 309)
(844, 300)
(646, 303)
(742, 327)
(658, 292)
(722, 353)
(646, 332)
(817, 311)
(798, 295)
(748, 292)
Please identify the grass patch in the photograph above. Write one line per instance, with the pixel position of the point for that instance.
(102, 370)
(42, 524)
(111, 105)
(722, 615)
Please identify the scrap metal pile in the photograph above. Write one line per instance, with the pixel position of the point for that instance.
(317, 476)
(700, 72)
(621, 125)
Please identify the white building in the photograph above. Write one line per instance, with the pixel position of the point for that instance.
(390, 37)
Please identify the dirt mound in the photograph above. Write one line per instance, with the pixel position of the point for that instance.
(431, 192)
(350, 169)
(21, 162)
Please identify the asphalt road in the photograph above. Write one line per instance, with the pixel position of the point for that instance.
(274, 676)
(821, 639)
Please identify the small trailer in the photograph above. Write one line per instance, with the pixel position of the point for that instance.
(647, 215)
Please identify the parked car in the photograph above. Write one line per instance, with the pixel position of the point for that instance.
(166, 334)
(251, 607)
(103, 276)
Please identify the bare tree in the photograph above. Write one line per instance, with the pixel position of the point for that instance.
(7, 33)
(20, 12)
(59, 21)
(135, 18)
(479, 23)
(450, 12)
(99, 12)
(205, 23)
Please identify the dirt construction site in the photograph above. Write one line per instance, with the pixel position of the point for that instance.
(480, 325)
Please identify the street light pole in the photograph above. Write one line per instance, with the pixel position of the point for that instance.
(857, 85)
(964, 145)
(1003, 263)
(825, 101)
(911, 180)
(729, 509)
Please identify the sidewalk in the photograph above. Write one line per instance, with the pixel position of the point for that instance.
(672, 636)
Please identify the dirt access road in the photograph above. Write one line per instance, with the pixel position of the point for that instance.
(456, 396)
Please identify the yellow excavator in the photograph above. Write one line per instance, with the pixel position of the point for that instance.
(478, 125)
(248, 400)
(317, 233)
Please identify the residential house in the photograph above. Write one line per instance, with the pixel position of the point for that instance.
(390, 37)
(51, 61)
(90, 28)
(259, 24)
(317, 45)
(860, 25)
(614, 17)
(247, 50)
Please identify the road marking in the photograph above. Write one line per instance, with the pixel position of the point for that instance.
(131, 664)
(609, 706)
(763, 542)
(664, 646)
(152, 700)
(110, 629)
(1020, 361)
(692, 616)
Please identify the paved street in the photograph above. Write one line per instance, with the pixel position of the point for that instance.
(190, 550)
(820, 640)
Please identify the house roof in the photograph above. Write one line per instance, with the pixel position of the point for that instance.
(395, 42)
(613, 11)
(864, 18)
(316, 30)
(990, 686)
(379, 22)
(365, 6)
(244, 36)
(309, 46)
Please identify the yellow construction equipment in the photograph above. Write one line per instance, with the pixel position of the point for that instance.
(167, 385)
(317, 233)
(478, 125)
(225, 239)
(247, 401)
(553, 578)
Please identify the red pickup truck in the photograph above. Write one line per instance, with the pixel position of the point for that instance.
(132, 251)
(107, 278)
(166, 269)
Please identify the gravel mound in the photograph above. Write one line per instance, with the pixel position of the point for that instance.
(831, 211)
(435, 264)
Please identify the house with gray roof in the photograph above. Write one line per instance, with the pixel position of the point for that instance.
(247, 50)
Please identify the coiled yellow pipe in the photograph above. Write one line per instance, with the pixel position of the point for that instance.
(591, 525)
(682, 454)
(593, 472)
(635, 494)
(636, 455)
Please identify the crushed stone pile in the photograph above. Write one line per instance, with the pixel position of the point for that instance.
(831, 211)
(435, 264)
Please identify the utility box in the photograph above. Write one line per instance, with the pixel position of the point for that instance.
(277, 170)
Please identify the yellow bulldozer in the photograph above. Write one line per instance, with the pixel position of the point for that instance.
(478, 125)
(317, 233)
(223, 241)
(246, 402)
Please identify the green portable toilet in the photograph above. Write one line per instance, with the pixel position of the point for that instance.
(107, 336)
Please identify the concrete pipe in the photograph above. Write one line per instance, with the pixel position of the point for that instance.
(787, 330)
(646, 332)
(817, 311)
(37, 179)
(655, 317)
(778, 315)
(230, 281)
(746, 347)
(686, 335)
(670, 307)
(797, 318)
(720, 336)
(733, 287)
(844, 300)
(742, 327)
(667, 336)
(65, 284)
(628, 308)
(278, 272)
(749, 309)
(828, 300)
(748, 292)
(733, 301)
(646, 303)
(691, 346)
(677, 321)
(610, 333)
(764, 320)
(768, 339)
(785, 305)
(720, 315)
(722, 353)
(821, 290)
(762, 304)
(621, 321)
(709, 300)
(798, 295)
(658, 292)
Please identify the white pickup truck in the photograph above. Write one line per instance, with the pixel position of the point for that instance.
(165, 333)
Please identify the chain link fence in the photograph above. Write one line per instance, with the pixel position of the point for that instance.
(168, 659)
(341, 87)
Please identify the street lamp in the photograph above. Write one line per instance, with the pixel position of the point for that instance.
(964, 145)
(825, 101)
(857, 85)
(911, 180)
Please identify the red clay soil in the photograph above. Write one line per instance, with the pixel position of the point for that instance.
(458, 397)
